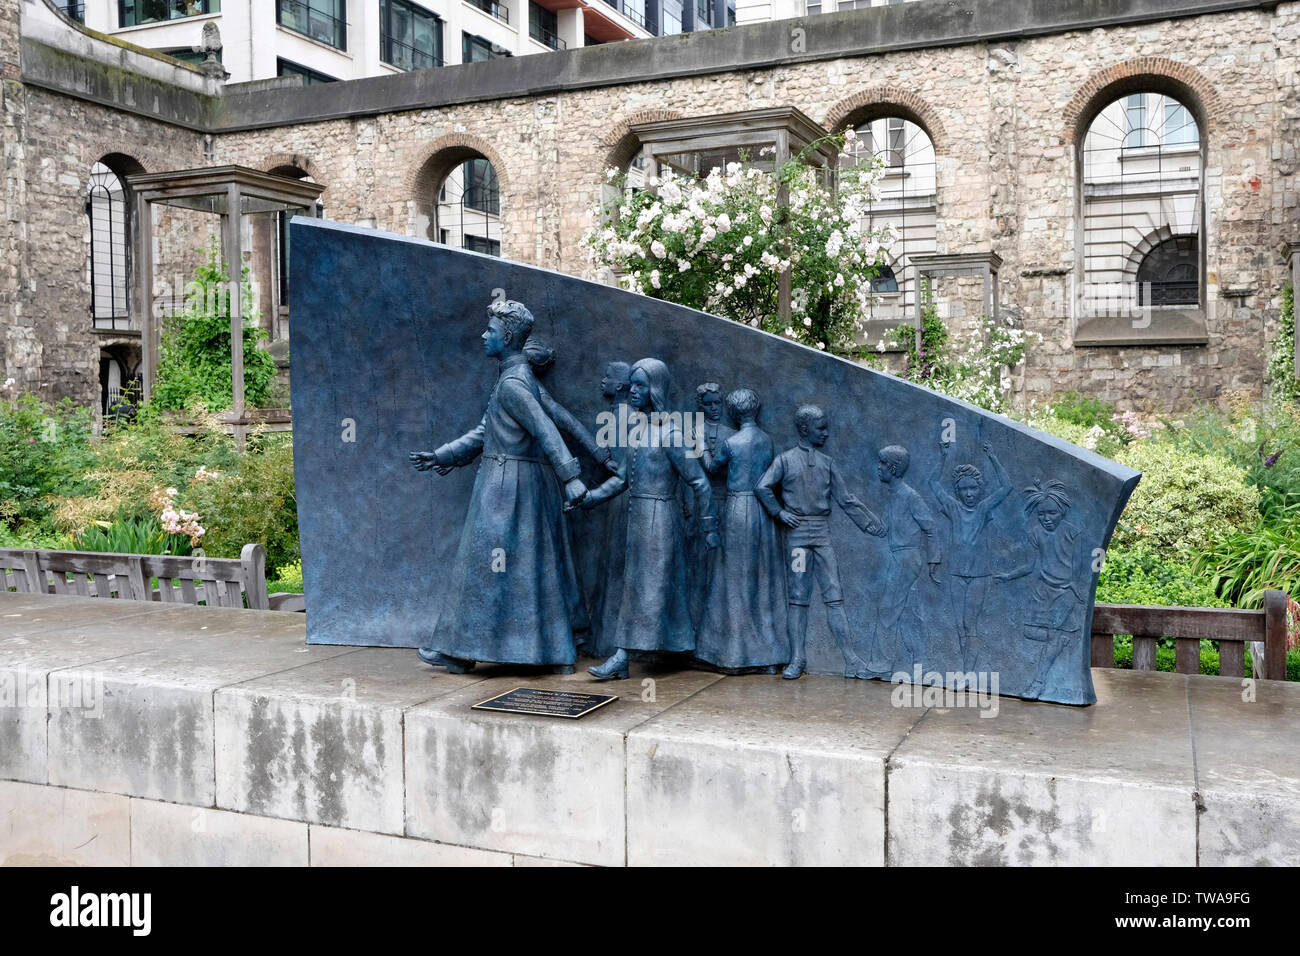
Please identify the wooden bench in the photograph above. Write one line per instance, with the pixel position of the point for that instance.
(1233, 629)
(217, 582)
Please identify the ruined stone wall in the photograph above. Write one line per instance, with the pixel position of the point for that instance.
(63, 139)
(1003, 116)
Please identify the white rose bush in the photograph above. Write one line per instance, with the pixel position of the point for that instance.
(720, 244)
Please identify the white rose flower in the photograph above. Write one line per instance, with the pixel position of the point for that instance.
(659, 251)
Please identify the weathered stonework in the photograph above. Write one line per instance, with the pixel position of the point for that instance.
(1005, 117)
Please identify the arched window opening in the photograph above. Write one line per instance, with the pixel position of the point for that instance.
(110, 273)
(907, 202)
(885, 282)
(469, 207)
(1143, 199)
(1170, 273)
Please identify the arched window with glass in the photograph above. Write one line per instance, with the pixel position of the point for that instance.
(907, 202)
(1142, 216)
(110, 268)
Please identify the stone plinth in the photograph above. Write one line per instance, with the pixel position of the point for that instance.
(219, 737)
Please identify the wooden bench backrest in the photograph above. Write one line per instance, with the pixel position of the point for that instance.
(220, 582)
(1232, 628)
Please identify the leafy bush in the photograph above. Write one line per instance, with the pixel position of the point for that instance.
(1265, 441)
(1139, 577)
(45, 451)
(1281, 359)
(195, 357)
(131, 536)
(288, 578)
(1243, 565)
(1185, 503)
(251, 502)
(720, 244)
(1080, 410)
(1094, 438)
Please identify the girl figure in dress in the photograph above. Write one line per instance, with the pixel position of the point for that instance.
(743, 624)
(654, 609)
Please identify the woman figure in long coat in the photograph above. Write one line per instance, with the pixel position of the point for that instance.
(743, 625)
(654, 611)
(513, 590)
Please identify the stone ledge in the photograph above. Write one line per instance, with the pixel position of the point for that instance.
(219, 737)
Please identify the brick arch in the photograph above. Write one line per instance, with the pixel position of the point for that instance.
(621, 143)
(1145, 74)
(434, 161)
(881, 101)
(296, 160)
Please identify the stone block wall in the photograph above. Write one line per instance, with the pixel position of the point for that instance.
(1004, 116)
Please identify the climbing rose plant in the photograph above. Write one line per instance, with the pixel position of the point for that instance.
(720, 244)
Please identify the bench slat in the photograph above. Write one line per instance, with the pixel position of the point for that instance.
(1144, 653)
(1202, 623)
(1187, 655)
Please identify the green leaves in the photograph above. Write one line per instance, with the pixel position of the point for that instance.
(195, 357)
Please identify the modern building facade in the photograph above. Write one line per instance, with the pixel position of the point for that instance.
(329, 40)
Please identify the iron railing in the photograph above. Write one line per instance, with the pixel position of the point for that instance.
(502, 13)
(543, 35)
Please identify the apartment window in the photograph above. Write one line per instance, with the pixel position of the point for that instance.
(322, 20)
(542, 26)
(671, 13)
(491, 7)
(704, 12)
(132, 13)
(412, 36)
(491, 247)
(1171, 273)
(73, 11)
(1180, 129)
(475, 49)
(309, 76)
(885, 281)
(1135, 116)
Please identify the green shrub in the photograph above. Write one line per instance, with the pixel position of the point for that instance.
(45, 452)
(131, 536)
(1265, 441)
(1185, 502)
(1281, 359)
(1243, 565)
(1091, 437)
(1077, 409)
(1140, 577)
(253, 501)
(195, 357)
(288, 578)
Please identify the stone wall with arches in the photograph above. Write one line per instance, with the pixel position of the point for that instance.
(1004, 116)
